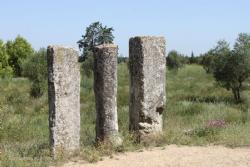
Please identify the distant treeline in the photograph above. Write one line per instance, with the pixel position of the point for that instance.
(176, 60)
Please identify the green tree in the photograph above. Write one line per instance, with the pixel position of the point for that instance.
(18, 50)
(195, 59)
(3, 55)
(207, 61)
(122, 59)
(232, 68)
(175, 60)
(95, 34)
(5, 69)
(35, 68)
(192, 58)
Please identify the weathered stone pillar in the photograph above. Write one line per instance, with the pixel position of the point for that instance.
(64, 100)
(147, 65)
(105, 88)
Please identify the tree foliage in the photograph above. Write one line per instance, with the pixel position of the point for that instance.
(3, 55)
(207, 61)
(35, 68)
(5, 70)
(195, 59)
(18, 50)
(214, 55)
(232, 67)
(95, 34)
(192, 59)
(175, 60)
(122, 59)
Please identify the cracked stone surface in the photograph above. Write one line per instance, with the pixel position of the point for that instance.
(64, 100)
(147, 65)
(105, 88)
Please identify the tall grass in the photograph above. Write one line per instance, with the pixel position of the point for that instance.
(193, 100)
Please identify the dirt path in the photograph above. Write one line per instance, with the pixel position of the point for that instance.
(175, 156)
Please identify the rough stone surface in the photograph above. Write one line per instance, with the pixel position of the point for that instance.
(64, 100)
(147, 85)
(105, 88)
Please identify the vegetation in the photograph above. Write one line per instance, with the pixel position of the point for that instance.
(192, 59)
(38, 75)
(207, 61)
(95, 34)
(122, 59)
(5, 70)
(12, 55)
(175, 60)
(18, 50)
(199, 112)
(230, 68)
(19, 58)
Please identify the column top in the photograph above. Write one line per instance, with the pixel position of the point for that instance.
(61, 46)
(147, 37)
(108, 45)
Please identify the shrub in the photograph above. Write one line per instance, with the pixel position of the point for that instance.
(175, 60)
(87, 65)
(18, 50)
(35, 68)
(208, 62)
(5, 70)
(122, 59)
(210, 129)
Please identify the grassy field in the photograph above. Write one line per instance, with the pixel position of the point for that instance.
(198, 112)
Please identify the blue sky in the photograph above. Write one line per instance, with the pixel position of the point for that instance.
(188, 25)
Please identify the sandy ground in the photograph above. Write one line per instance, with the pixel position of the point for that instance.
(176, 156)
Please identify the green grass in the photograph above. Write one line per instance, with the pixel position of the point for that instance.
(193, 99)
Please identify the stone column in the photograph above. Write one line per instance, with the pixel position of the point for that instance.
(105, 88)
(64, 100)
(147, 65)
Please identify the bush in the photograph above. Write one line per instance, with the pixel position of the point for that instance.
(5, 70)
(208, 62)
(37, 89)
(87, 65)
(35, 68)
(3, 55)
(122, 59)
(18, 51)
(175, 60)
